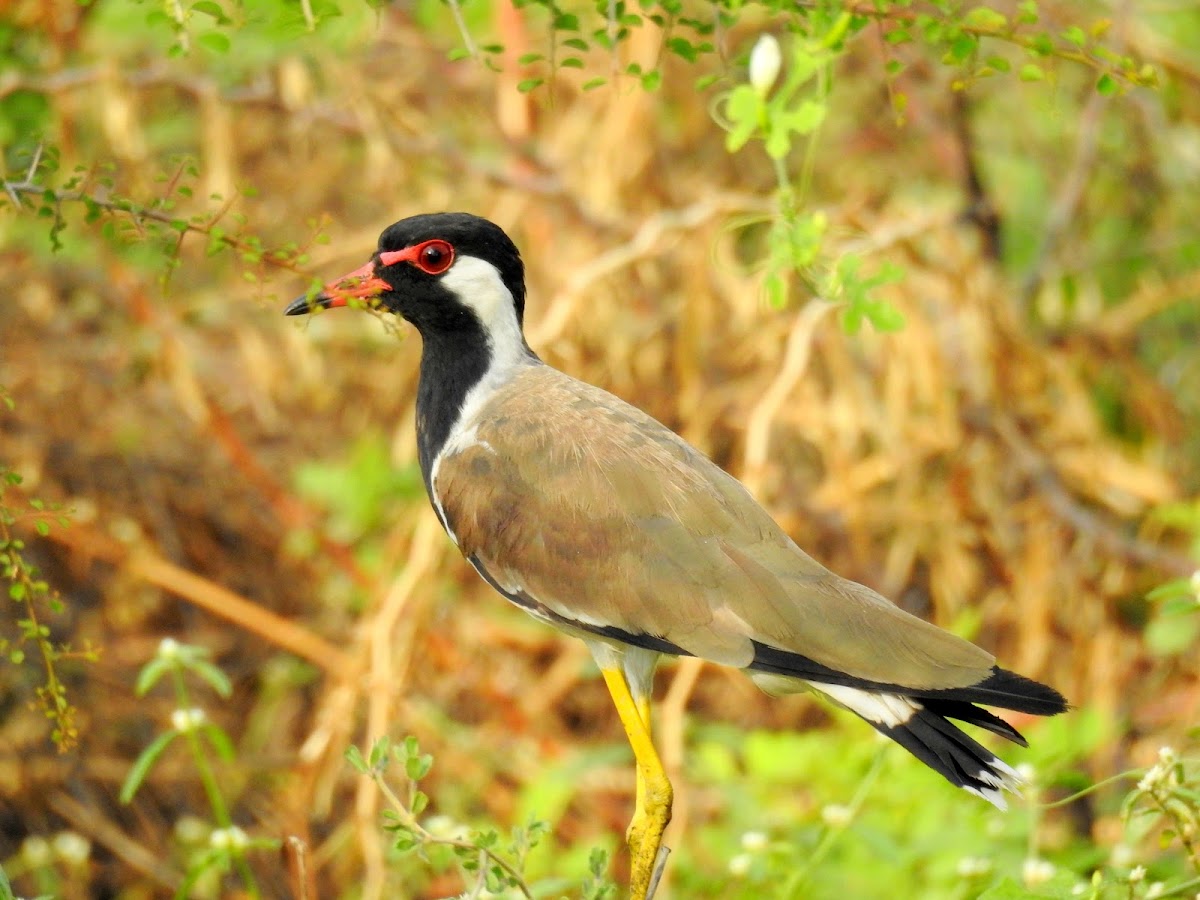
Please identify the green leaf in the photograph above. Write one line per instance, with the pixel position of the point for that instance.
(684, 48)
(571, 62)
(354, 756)
(963, 47)
(527, 58)
(576, 44)
(457, 54)
(885, 317)
(983, 18)
(1032, 72)
(210, 674)
(744, 109)
(150, 674)
(214, 41)
(652, 80)
(417, 767)
(220, 741)
(1172, 635)
(528, 84)
(142, 765)
(1075, 35)
(209, 8)
(420, 800)
(594, 83)
(1107, 85)
(380, 752)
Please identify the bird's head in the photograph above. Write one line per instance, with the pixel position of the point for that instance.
(443, 272)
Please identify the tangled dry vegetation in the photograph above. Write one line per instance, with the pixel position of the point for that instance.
(961, 466)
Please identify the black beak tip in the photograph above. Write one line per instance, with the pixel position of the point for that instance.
(301, 306)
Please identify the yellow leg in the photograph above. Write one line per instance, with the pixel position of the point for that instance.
(654, 792)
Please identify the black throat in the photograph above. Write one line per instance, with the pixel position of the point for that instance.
(452, 362)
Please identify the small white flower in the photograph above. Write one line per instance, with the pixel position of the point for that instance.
(740, 865)
(445, 827)
(1196, 584)
(765, 61)
(36, 852)
(231, 838)
(1027, 772)
(168, 649)
(1036, 871)
(187, 720)
(72, 848)
(754, 841)
(1136, 874)
(1167, 756)
(974, 866)
(835, 815)
(1155, 890)
(1121, 856)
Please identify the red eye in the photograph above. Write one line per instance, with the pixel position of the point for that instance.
(434, 257)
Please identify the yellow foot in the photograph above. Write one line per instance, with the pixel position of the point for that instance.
(647, 854)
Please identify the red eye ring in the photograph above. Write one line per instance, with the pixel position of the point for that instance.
(433, 257)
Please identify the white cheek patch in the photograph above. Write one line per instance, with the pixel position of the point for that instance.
(478, 285)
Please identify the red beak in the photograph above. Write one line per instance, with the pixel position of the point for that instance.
(361, 284)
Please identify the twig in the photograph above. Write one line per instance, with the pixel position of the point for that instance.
(644, 243)
(1069, 196)
(656, 874)
(409, 821)
(1045, 479)
(795, 361)
(139, 213)
(89, 821)
(218, 600)
(460, 22)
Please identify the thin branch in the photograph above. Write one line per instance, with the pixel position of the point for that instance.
(140, 214)
(468, 41)
(208, 595)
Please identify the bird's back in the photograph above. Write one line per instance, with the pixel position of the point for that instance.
(567, 495)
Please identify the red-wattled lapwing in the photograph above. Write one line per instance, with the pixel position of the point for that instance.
(592, 516)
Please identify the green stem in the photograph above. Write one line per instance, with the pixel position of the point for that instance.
(208, 779)
(834, 832)
(409, 821)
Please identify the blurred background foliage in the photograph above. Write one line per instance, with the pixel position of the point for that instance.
(1000, 429)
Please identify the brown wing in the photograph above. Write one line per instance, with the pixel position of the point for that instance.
(610, 520)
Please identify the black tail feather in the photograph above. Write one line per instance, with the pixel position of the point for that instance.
(952, 754)
(973, 715)
(1004, 689)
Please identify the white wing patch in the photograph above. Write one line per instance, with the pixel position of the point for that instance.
(889, 710)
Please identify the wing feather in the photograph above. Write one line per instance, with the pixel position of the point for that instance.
(607, 518)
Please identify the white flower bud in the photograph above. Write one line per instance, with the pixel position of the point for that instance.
(36, 852)
(168, 649)
(1036, 871)
(765, 60)
(974, 866)
(754, 841)
(835, 815)
(186, 720)
(72, 848)
(231, 838)
(740, 865)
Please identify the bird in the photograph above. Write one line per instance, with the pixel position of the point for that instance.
(597, 519)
